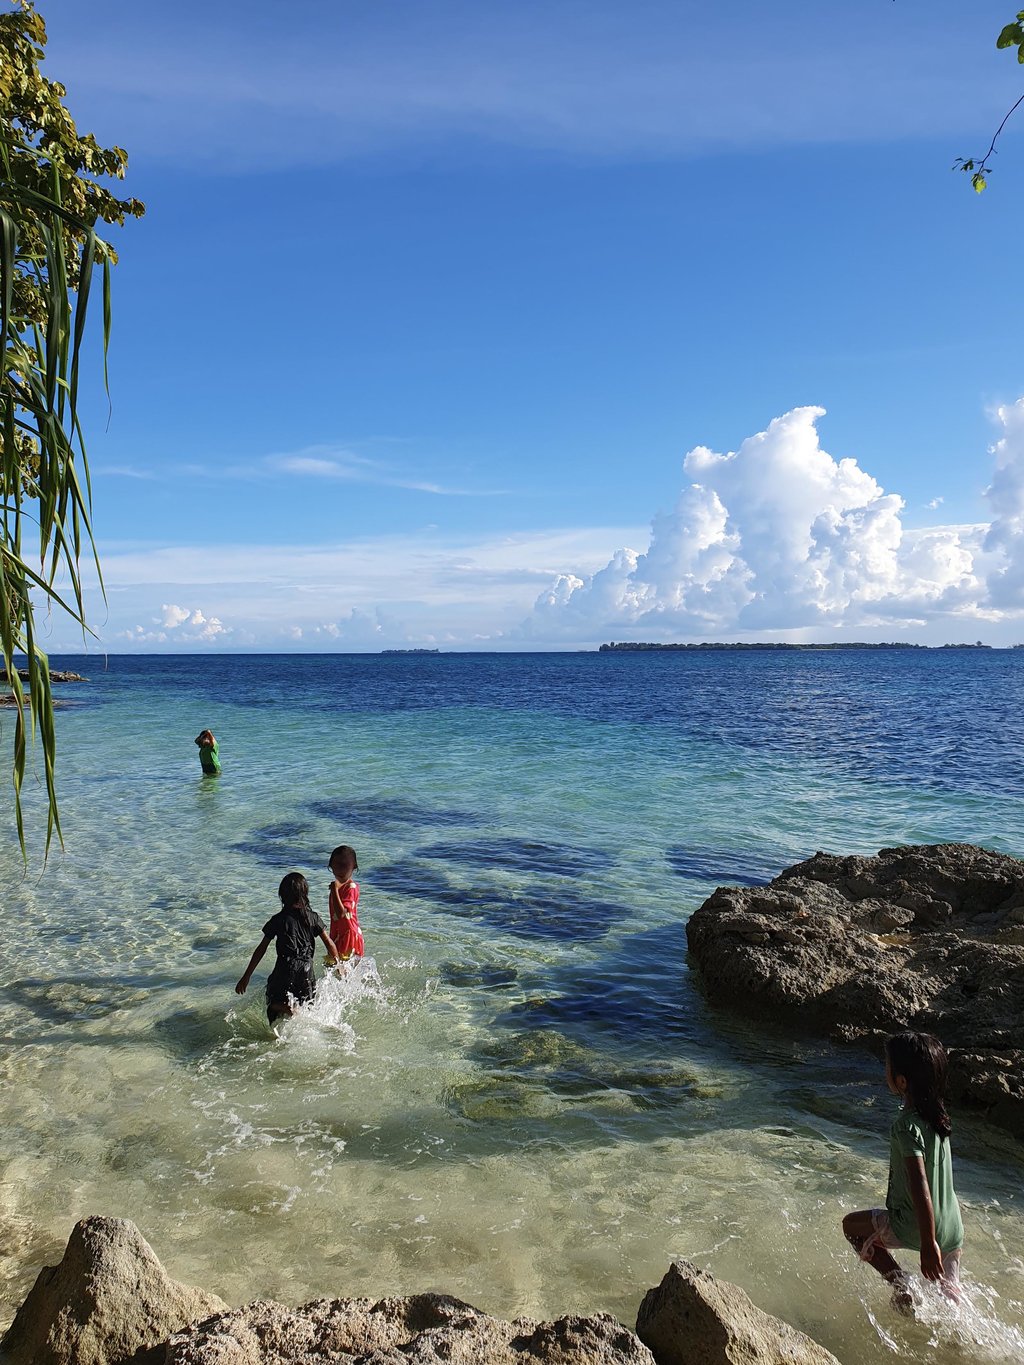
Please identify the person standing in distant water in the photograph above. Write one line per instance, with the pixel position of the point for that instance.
(295, 928)
(208, 753)
(345, 931)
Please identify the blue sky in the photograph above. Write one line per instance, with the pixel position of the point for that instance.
(432, 301)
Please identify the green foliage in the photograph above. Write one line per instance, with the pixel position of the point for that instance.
(51, 199)
(977, 167)
(1013, 36)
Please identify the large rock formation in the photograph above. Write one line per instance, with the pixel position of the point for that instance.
(109, 1301)
(929, 937)
(694, 1319)
(427, 1329)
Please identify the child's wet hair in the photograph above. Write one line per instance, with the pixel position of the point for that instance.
(921, 1060)
(294, 893)
(346, 852)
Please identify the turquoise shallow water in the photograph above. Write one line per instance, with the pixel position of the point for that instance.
(521, 1097)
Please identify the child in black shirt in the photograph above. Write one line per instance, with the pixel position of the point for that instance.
(296, 929)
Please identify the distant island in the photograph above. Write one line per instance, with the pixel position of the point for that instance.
(410, 651)
(634, 645)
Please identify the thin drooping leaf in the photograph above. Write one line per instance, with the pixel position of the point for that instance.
(51, 197)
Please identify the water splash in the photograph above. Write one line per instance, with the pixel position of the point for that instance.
(938, 1329)
(324, 1022)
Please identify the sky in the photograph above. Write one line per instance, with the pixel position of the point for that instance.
(532, 325)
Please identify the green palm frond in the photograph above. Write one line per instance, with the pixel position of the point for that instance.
(51, 197)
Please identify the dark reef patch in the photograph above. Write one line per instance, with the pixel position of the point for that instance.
(283, 856)
(275, 845)
(519, 1068)
(640, 993)
(282, 829)
(725, 867)
(389, 814)
(486, 978)
(524, 855)
(565, 913)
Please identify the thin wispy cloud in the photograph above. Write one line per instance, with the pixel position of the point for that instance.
(123, 471)
(332, 463)
(353, 469)
(603, 79)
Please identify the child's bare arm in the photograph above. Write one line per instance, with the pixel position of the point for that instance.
(332, 952)
(254, 961)
(931, 1255)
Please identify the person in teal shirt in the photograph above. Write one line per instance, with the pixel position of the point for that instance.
(921, 1208)
(208, 754)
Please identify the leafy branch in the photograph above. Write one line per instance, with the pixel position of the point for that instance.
(977, 167)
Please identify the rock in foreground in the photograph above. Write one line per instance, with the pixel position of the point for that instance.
(109, 1301)
(694, 1319)
(429, 1329)
(928, 937)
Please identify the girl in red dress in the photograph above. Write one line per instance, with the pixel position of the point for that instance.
(345, 931)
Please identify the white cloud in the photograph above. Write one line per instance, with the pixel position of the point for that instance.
(182, 625)
(777, 539)
(780, 536)
(173, 616)
(933, 503)
(1005, 495)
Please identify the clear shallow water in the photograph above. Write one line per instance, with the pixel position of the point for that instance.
(522, 1099)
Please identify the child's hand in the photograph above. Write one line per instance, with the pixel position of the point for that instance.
(242, 986)
(931, 1261)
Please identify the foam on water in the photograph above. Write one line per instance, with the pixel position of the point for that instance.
(974, 1328)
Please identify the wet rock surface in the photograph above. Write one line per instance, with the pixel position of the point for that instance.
(110, 1302)
(929, 937)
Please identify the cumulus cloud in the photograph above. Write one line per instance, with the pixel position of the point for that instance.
(779, 535)
(1005, 496)
(178, 625)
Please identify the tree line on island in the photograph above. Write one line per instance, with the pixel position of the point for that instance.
(632, 646)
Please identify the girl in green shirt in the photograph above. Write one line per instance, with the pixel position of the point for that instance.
(921, 1209)
(209, 757)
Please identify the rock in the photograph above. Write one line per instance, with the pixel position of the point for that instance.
(109, 1302)
(424, 1329)
(924, 937)
(694, 1319)
(56, 675)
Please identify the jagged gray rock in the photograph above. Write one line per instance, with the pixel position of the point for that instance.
(424, 1329)
(694, 1319)
(109, 1302)
(929, 937)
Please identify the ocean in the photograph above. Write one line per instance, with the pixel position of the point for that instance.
(520, 1097)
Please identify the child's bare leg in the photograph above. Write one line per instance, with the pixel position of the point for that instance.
(950, 1282)
(857, 1229)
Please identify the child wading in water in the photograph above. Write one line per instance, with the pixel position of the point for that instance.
(921, 1209)
(209, 754)
(344, 897)
(296, 929)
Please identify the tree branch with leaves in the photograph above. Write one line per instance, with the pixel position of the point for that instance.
(51, 199)
(977, 167)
